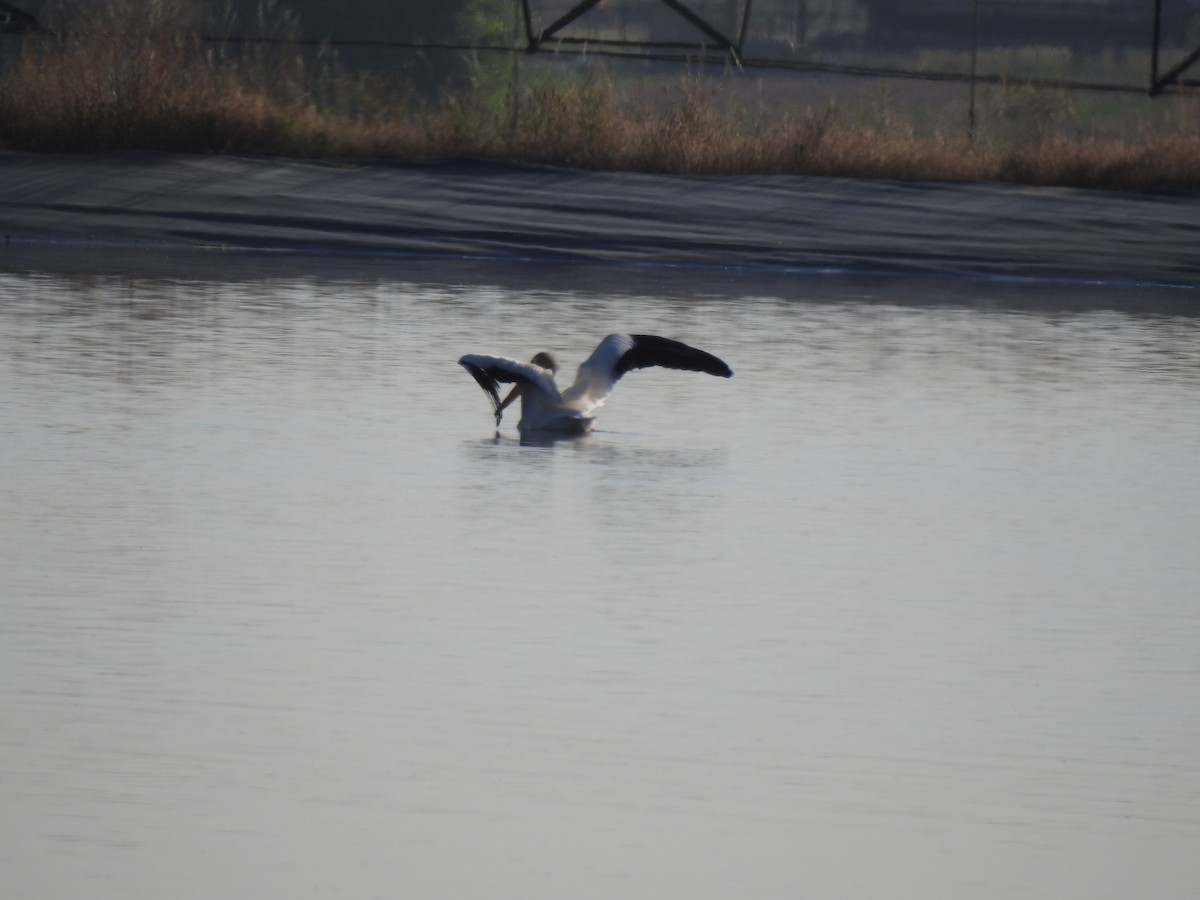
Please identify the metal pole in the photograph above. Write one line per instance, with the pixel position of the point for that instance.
(741, 38)
(515, 73)
(974, 68)
(1155, 36)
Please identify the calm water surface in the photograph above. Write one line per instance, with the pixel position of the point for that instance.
(909, 608)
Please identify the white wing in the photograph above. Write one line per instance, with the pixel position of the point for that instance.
(492, 371)
(598, 374)
(621, 353)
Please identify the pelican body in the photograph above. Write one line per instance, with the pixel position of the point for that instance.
(545, 409)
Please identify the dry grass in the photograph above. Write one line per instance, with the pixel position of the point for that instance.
(129, 80)
(125, 77)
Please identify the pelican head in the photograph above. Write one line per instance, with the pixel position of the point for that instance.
(546, 360)
(543, 359)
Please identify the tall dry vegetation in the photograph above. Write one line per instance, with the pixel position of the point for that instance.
(126, 76)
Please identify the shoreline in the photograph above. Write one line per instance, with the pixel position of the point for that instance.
(477, 210)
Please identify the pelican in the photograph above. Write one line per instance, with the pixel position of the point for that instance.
(545, 409)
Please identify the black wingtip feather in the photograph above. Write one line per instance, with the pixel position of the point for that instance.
(490, 385)
(652, 350)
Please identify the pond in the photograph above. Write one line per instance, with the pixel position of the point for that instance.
(907, 608)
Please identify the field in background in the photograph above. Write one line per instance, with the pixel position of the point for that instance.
(131, 80)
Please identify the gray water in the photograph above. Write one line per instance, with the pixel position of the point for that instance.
(909, 608)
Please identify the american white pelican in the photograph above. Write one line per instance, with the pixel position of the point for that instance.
(544, 409)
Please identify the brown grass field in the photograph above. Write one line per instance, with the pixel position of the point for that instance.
(112, 87)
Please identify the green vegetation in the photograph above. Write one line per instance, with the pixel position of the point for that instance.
(128, 79)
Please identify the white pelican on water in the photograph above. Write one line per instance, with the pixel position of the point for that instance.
(545, 409)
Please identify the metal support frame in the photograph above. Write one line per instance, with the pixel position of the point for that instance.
(1159, 82)
(716, 40)
(16, 21)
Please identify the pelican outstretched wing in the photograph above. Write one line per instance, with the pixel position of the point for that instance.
(621, 353)
(492, 371)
